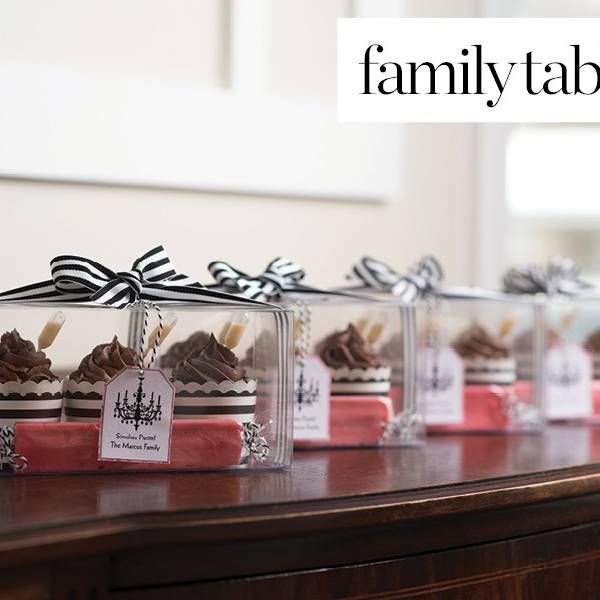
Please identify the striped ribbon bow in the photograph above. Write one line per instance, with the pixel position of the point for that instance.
(152, 278)
(422, 278)
(559, 276)
(280, 276)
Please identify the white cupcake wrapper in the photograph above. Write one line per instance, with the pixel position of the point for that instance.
(360, 388)
(596, 365)
(30, 401)
(226, 400)
(360, 382)
(83, 401)
(84, 388)
(30, 388)
(493, 371)
(225, 388)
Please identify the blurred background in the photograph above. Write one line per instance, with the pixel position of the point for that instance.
(210, 126)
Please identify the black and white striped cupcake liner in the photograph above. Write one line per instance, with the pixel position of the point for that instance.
(226, 400)
(490, 372)
(29, 401)
(360, 382)
(83, 401)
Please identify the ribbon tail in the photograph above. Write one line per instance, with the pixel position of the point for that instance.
(43, 291)
(155, 265)
(470, 293)
(340, 292)
(195, 293)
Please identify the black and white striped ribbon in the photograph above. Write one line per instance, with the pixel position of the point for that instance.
(280, 277)
(423, 278)
(151, 278)
(559, 276)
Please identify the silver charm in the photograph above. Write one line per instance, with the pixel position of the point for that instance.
(254, 443)
(18, 462)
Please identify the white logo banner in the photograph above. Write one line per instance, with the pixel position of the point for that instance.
(469, 70)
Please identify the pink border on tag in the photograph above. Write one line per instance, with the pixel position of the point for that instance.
(149, 462)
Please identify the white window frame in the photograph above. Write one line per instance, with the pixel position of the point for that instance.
(492, 217)
(77, 127)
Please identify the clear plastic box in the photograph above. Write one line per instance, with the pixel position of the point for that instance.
(362, 345)
(479, 365)
(232, 407)
(572, 359)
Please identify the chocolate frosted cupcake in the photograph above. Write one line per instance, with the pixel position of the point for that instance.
(524, 351)
(356, 370)
(210, 383)
(260, 360)
(181, 350)
(84, 388)
(592, 345)
(487, 360)
(29, 391)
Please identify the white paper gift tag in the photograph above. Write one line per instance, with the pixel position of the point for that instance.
(311, 400)
(137, 417)
(441, 376)
(568, 382)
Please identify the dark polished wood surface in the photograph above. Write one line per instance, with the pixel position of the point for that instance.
(460, 517)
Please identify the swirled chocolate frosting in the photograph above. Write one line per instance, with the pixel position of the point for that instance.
(477, 342)
(180, 350)
(262, 353)
(392, 350)
(20, 361)
(524, 342)
(104, 362)
(349, 349)
(592, 344)
(213, 362)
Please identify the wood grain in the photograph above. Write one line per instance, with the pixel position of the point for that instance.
(463, 517)
(532, 567)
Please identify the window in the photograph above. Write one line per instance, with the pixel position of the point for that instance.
(537, 183)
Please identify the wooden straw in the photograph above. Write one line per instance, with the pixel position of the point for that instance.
(50, 330)
(169, 323)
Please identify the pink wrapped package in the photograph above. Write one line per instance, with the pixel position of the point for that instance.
(353, 421)
(73, 447)
(485, 409)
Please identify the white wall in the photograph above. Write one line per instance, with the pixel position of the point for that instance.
(181, 41)
(177, 41)
(434, 215)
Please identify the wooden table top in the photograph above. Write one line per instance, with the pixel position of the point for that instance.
(55, 515)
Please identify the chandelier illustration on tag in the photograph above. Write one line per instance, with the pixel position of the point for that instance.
(306, 388)
(568, 382)
(438, 378)
(306, 392)
(566, 375)
(137, 413)
(137, 416)
(312, 383)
